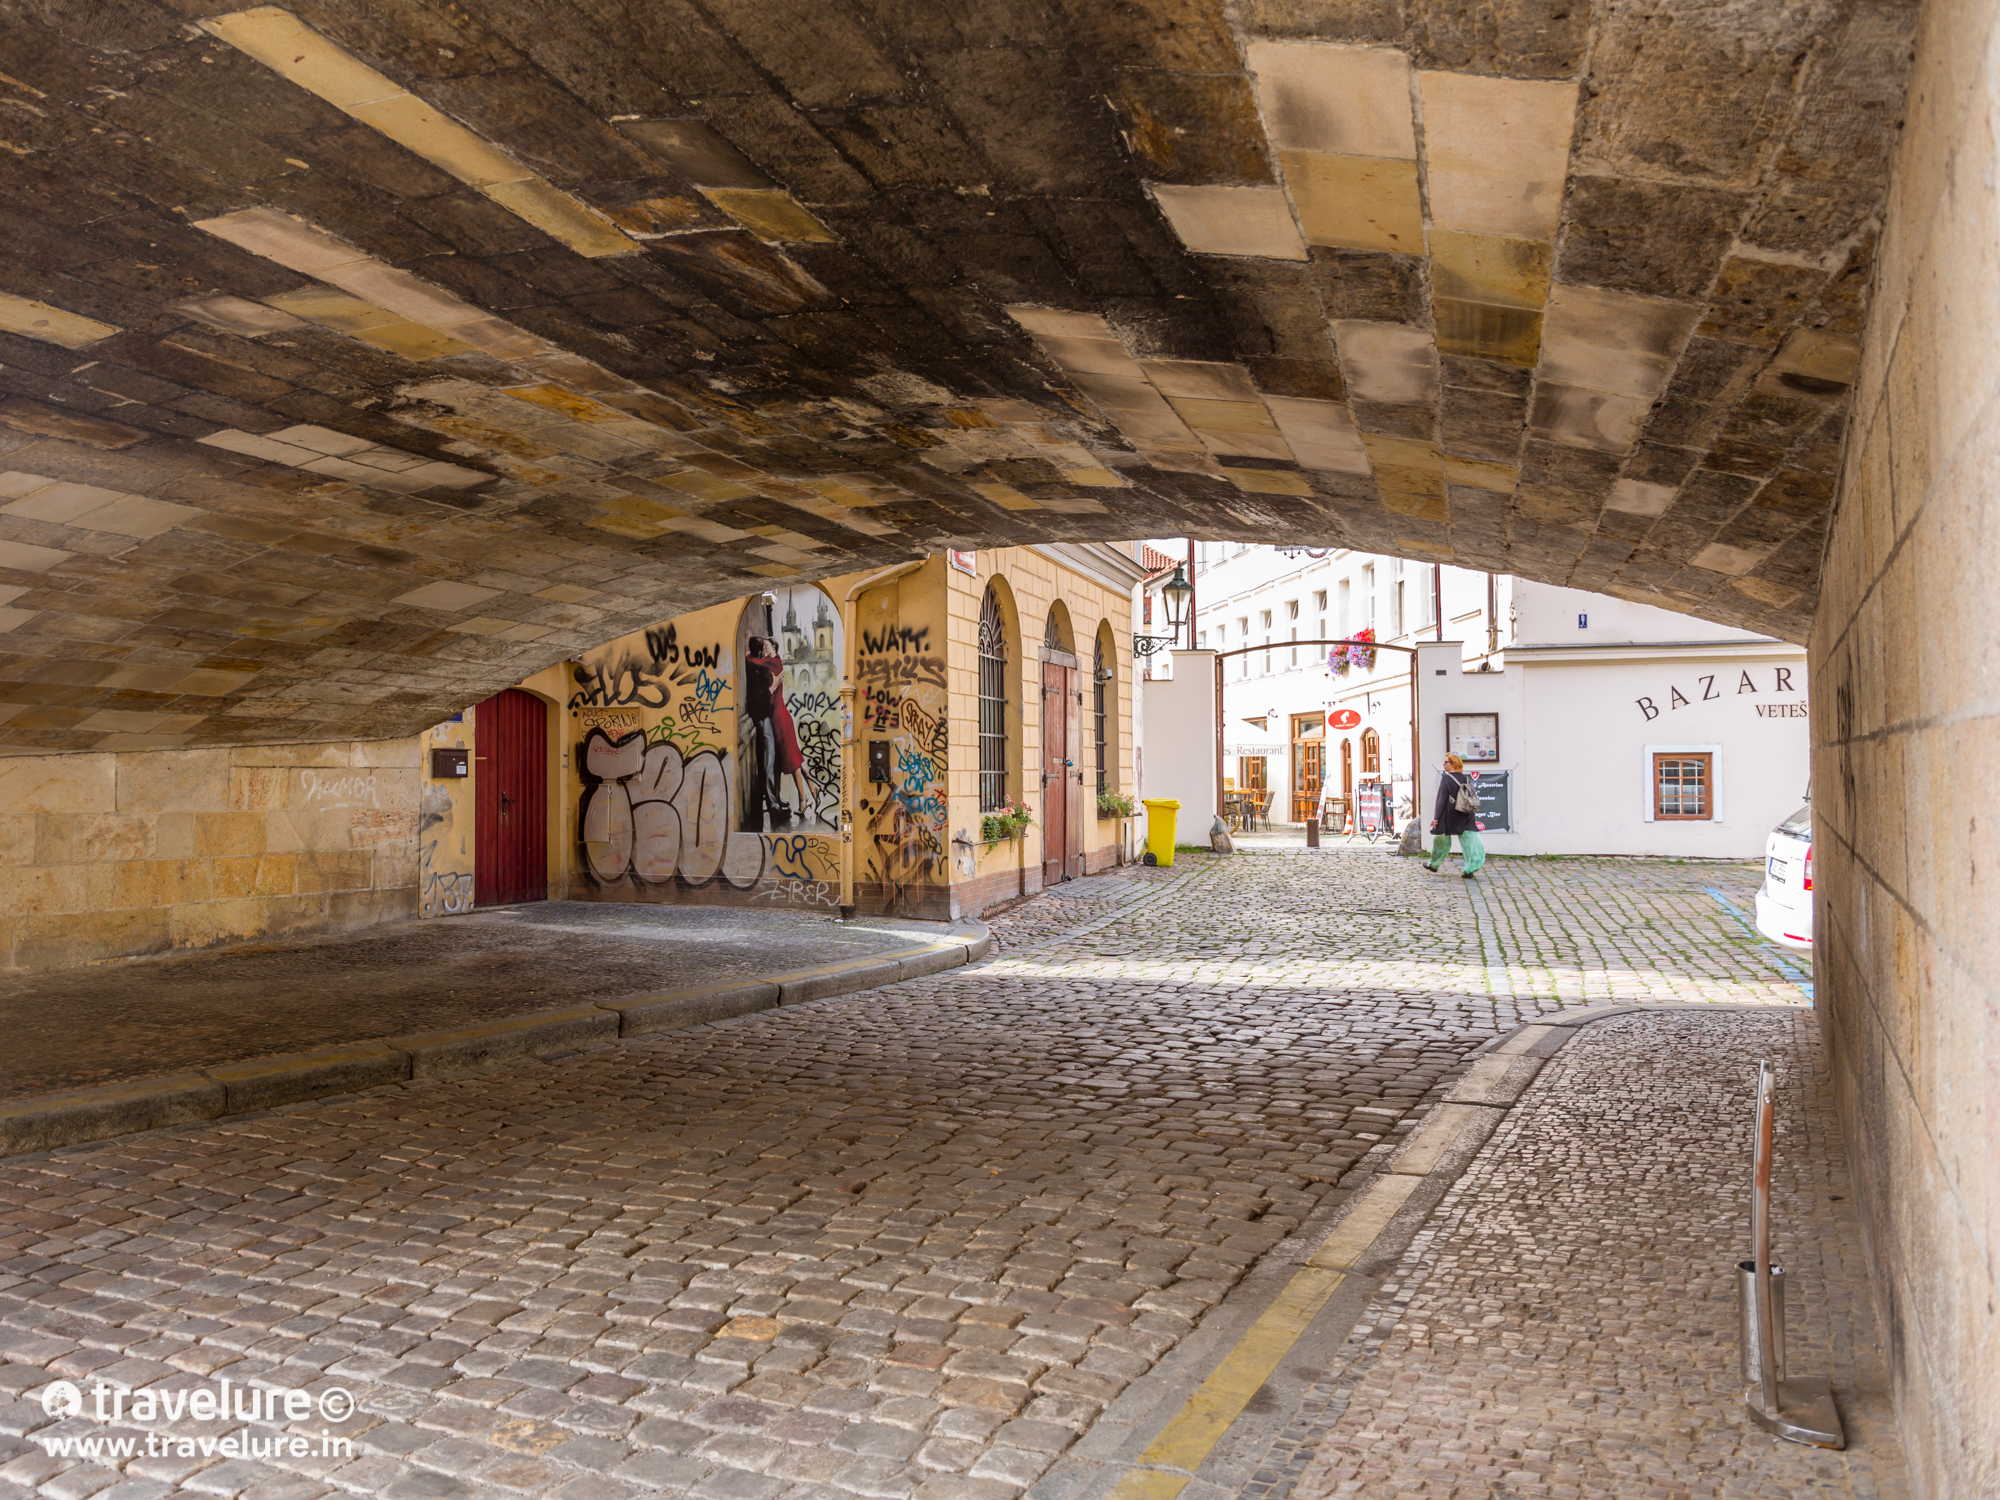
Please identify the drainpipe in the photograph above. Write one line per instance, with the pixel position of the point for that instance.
(851, 653)
(1416, 743)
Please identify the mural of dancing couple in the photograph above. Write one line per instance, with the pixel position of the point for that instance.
(788, 720)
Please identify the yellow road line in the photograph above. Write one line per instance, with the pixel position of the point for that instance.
(1185, 1442)
(1220, 1400)
(1364, 1222)
(1432, 1141)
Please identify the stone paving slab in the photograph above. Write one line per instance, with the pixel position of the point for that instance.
(112, 1023)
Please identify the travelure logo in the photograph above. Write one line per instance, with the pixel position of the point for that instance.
(62, 1399)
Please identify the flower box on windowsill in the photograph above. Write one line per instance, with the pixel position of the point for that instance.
(1112, 805)
(1003, 823)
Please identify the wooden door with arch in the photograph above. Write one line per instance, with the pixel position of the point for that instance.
(1061, 747)
(510, 800)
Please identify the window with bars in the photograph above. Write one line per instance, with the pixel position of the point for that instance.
(1099, 683)
(1684, 786)
(992, 704)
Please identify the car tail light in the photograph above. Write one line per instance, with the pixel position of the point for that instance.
(1808, 866)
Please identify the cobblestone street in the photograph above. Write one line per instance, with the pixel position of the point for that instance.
(1563, 1323)
(906, 1242)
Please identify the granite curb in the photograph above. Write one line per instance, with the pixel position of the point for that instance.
(44, 1122)
(1359, 1240)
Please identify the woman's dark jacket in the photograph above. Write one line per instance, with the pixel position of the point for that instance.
(1448, 818)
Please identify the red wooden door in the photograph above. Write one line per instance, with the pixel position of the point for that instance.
(1073, 772)
(510, 795)
(1061, 728)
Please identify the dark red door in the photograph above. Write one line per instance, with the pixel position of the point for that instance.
(510, 791)
(1059, 770)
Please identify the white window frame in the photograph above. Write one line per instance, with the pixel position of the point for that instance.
(1714, 752)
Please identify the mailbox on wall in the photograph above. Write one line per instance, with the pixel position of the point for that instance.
(446, 764)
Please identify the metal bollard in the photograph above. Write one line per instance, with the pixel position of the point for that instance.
(1748, 1360)
(1800, 1410)
(1312, 831)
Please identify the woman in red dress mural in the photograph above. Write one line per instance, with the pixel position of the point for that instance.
(764, 659)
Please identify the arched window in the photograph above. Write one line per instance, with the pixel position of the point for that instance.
(1056, 634)
(1099, 680)
(992, 704)
(1371, 753)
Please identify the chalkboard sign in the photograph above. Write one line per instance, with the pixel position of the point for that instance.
(1496, 800)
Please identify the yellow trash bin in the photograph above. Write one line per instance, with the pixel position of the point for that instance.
(1160, 828)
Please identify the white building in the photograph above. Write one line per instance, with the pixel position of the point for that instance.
(1556, 672)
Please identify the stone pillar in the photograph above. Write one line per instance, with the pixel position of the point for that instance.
(1906, 757)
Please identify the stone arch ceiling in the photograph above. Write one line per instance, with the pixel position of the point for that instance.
(359, 358)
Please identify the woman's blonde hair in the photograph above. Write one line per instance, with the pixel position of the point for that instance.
(1453, 763)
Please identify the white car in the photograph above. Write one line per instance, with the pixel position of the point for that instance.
(1784, 900)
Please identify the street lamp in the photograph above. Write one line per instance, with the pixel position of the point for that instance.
(1177, 592)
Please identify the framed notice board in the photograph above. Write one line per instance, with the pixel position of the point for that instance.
(1473, 738)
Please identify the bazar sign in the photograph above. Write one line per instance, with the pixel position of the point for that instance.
(1712, 686)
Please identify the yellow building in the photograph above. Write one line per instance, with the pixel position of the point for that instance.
(701, 760)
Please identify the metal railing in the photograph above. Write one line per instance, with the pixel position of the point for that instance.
(1799, 1409)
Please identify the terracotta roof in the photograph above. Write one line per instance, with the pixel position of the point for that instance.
(1154, 561)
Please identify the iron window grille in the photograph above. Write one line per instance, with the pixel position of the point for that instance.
(1097, 686)
(992, 704)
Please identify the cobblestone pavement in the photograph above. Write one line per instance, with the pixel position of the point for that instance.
(192, 1010)
(908, 1242)
(1074, 903)
(1594, 930)
(1564, 1324)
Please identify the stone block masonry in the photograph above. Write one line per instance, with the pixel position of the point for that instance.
(115, 855)
(1903, 720)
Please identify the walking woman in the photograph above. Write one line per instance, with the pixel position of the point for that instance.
(1448, 819)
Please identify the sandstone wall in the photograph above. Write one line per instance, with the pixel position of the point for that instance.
(119, 854)
(1906, 729)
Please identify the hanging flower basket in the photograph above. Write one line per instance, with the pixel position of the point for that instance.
(1354, 654)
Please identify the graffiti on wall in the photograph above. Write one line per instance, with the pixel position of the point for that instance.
(653, 813)
(788, 713)
(901, 683)
(625, 675)
(656, 670)
(444, 820)
(898, 656)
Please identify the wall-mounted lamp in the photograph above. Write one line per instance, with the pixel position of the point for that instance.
(1177, 593)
